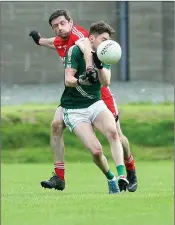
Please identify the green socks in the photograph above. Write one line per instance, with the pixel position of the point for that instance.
(120, 170)
(109, 175)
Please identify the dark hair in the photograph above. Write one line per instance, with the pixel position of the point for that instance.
(101, 27)
(59, 12)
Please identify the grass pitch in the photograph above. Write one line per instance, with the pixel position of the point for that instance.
(85, 200)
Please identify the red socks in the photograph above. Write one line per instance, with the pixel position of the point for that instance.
(59, 166)
(59, 169)
(129, 163)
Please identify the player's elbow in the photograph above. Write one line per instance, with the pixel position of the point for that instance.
(67, 83)
(106, 83)
(70, 80)
(105, 77)
(51, 47)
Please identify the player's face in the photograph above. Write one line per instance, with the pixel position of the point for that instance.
(97, 40)
(62, 27)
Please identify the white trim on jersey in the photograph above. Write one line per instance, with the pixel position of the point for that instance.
(69, 54)
(80, 40)
(84, 93)
(77, 32)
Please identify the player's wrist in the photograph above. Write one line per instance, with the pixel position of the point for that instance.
(99, 64)
(100, 67)
(39, 41)
(88, 68)
(78, 82)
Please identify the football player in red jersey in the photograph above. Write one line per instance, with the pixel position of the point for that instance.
(68, 34)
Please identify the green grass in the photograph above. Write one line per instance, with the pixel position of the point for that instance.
(132, 110)
(72, 154)
(29, 126)
(85, 200)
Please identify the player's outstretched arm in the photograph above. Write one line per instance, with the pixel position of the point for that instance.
(46, 42)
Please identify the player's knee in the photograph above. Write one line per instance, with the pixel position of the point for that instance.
(97, 152)
(57, 127)
(112, 134)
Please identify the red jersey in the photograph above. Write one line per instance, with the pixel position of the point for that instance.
(109, 100)
(62, 46)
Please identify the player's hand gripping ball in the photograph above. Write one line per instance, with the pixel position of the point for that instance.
(109, 52)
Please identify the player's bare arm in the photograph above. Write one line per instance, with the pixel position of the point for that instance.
(104, 76)
(46, 42)
(71, 66)
(85, 46)
(70, 80)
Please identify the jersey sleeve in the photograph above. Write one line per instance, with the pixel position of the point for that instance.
(73, 57)
(57, 41)
(78, 33)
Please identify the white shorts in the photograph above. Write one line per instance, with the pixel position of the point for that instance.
(72, 117)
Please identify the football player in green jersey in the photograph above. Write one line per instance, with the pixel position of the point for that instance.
(83, 108)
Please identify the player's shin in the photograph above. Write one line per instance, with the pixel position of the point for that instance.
(117, 155)
(58, 155)
(128, 158)
(126, 147)
(57, 145)
(101, 161)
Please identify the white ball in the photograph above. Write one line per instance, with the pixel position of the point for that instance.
(109, 52)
